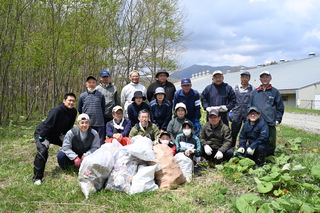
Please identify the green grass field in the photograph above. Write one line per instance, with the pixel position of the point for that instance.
(217, 189)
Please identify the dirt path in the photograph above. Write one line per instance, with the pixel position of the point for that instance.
(307, 122)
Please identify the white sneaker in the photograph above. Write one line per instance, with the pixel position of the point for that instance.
(37, 182)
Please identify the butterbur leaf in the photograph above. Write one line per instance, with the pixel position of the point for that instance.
(298, 170)
(285, 204)
(315, 171)
(307, 208)
(247, 162)
(283, 159)
(270, 177)
(278, 192)
(296, 140)
(286, 167)
(276, 205)
(286, 177)
(264, 187)
(296, 201)
(295, 147)
(245, 203)
(265, 208)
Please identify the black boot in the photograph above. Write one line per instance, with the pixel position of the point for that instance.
(261, 160)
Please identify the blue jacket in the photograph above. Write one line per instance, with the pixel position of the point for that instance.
(94, 105)
(255, 134)
(161, 114)
(270, 104)
(133, 111)
(183, 143)
(217, 95)
(111, 130)
(192, 102)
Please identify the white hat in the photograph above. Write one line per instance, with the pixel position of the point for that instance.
(217, 72)
(265, 73)
(83, 116)
(159, 90)
(116, 108)
(182, 105)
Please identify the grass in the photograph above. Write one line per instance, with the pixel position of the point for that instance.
(302, 111)
(213, 191)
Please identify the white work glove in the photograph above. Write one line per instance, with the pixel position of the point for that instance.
(46, 143)
(241, 150)
(208, 150)
(277, 123)
(208, 109)
(219, 155)
(250, 151)
(223, 108)
(188, 152)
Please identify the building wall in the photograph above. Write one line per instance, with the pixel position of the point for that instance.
(289, 100)
(307, 95)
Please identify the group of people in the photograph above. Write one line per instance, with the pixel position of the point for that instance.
(102, 119)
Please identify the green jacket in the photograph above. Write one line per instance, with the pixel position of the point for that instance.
(218, 138)
(151, 132)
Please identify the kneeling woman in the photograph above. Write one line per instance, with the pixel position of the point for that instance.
(78, 143)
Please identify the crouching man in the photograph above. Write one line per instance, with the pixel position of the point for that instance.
(254, 138)
(78, 143)
(216, 139)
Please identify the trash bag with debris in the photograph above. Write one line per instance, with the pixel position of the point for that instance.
(96, 168)
(185, 165)
(141, 148)
(143, 181)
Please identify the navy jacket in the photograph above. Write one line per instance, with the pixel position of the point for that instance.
(161, 114)
(183, 143)
(254, 134)
(192, 102)
(133, 111)
(112, 130)
(168, 87)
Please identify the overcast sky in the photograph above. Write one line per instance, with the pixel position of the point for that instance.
(250, 32)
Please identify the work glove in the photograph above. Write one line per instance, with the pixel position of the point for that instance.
(77, 162)
(188, 152)
(219, 155)
(250, 151)
(208, 150)
(241, 150)
(44, 142)
(223, 108)
(83, 156)
(277, 123)
(208, 109)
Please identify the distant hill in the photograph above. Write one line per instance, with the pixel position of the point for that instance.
(187, 72)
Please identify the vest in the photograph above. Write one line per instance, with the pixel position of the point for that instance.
(78, 146)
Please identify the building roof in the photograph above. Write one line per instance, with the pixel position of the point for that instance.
(286, 76)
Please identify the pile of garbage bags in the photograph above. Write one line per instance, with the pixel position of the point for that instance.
(138, 167)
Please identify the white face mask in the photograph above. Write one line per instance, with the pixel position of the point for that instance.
(186, 131)
(166, 142)
(91, 90)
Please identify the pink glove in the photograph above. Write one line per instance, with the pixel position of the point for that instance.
(77, 162)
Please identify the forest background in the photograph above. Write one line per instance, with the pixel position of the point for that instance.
(49, 47)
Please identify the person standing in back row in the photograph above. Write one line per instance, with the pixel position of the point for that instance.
(239, 112)
(218, 95)
(169, 88)
(52, 131)
(269, 102)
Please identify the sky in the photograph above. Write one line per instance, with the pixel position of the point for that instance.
(249, 32)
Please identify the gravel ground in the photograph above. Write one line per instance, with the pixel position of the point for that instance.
(307, 122)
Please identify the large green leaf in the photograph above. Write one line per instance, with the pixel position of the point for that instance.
(298, 170)
(270, 177)
(315, 171)
(264, 187)
(265, 208)
(247, 162)
(245, 203)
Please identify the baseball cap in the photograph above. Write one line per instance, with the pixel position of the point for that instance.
(214, 112)
(245, 73)
(189, 123)
(253, 109)
(104, 73)
(83, 116)
(91, 77)
(217, 72)
(164, 133)
(182, 105)
(116, 108)
(265, 73)
(185, 81)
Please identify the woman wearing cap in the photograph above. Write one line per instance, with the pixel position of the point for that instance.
(137, 105)
(160, 109)
(175, 125)
(254, 138)
(119, 127)
(78, 143)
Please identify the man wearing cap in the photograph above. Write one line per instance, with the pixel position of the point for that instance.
(145, 127)
(218, 95)
(79, 142)
(110, 93)
(128, 91)
(92, 103)
(52, 131)
(239, 112)
(254, 138)
(215, 138)
(269, 101)
(160, 109)
(191, 98)
(137, 105)
(169, 88)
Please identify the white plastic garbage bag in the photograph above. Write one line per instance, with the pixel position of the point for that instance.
(125, 167)
(143, 181)
(185, 165)
(96, 168)
(141, 148)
